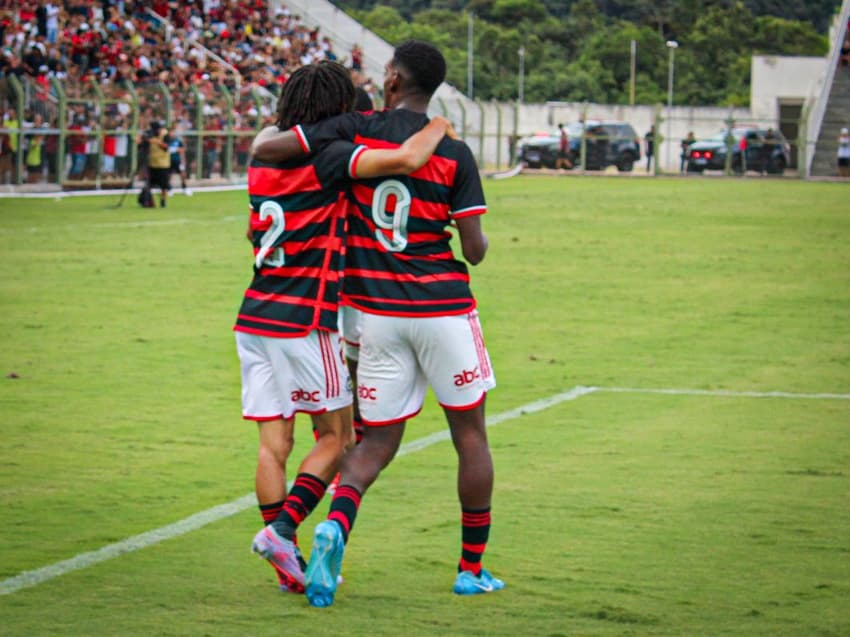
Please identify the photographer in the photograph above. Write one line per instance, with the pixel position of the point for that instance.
(155, 143)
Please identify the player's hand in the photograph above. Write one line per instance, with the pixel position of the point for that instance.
(450, 132)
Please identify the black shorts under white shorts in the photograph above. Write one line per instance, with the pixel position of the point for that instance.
(159, 178)
(844, 161)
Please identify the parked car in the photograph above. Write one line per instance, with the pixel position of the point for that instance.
(746, 144)
(608, 143)
(539, 150)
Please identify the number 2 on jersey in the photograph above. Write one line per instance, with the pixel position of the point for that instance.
(397, 223)
(276, 258)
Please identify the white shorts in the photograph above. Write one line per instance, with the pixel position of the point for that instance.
(349, 326)
(282, 376)
(400, 357)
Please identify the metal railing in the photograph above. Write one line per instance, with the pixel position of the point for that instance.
(217, 126)
(88, 135)
(816, 106)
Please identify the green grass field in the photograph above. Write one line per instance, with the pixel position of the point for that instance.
(725, 512)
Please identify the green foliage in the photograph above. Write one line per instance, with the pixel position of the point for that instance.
(785, 37)
(718, 41)
(576, 50)
(509, 12)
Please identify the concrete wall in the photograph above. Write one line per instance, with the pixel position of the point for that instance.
(780, 78)
(488, 126)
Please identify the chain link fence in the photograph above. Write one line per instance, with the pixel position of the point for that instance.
(85, 135)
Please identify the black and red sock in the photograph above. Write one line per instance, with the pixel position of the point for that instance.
(302, 499)
(271, 511)
(475, 530)
(344, 508)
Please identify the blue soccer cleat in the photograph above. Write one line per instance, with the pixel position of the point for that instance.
(468, 584)
(322, 576)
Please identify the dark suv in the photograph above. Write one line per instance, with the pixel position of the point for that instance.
(746, 144)
(607, 143)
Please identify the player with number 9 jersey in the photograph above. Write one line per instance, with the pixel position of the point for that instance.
(399, 260)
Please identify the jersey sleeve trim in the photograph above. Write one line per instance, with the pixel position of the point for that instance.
(302, 138)
(468, 212)
(355, 157)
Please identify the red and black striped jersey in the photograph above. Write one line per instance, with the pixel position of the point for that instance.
(398, 258)
(298, 215)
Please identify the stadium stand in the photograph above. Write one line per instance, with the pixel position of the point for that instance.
(80, 80)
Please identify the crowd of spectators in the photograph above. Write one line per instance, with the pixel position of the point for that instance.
(195, 48)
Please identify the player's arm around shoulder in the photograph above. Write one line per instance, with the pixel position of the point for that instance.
(272, 145)
(409, 157)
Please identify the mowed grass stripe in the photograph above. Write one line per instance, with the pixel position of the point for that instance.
(35, 577)
(724, 392)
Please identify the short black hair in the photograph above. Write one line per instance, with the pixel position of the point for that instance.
(423, 63)
(362, 101)
(314, 92)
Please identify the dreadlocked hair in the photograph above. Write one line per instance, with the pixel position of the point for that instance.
(424, 64)
(314, 92)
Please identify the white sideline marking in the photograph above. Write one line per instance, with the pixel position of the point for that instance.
(513, 172)
(35, 577)
(492, 421)
(134, 543)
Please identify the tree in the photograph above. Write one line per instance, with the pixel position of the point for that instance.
(579, 49)
(658, 13)
(715, 43)
(509, 12)
(776, 36)
(611, 48)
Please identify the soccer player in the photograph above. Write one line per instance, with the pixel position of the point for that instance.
(286, 329)
(419, 320)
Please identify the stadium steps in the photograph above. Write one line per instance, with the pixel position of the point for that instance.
(836, 116)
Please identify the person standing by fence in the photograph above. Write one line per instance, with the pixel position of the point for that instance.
(563, 160)
(649, 140)
(686, 147)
